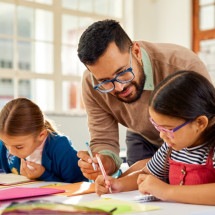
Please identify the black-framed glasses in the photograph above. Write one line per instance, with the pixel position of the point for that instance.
(123, 77)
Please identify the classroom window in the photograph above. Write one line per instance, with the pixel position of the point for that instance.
(38, 41)
(204, 33)
(6, 90)
(42, 1)
(6, 53)
(72, 28)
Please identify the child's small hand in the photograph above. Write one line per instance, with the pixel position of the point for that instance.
(102, 185)
(149, 184)
(31, 170)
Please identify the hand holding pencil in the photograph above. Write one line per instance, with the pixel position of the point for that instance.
(88, 164)
(91, 155)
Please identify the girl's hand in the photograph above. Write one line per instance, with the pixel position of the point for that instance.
(149, 184)
(102, 186)
(31, 170)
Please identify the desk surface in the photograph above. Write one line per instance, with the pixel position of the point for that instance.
(166, 208)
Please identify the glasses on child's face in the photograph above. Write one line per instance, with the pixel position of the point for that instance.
(169, 132)
(123, 77)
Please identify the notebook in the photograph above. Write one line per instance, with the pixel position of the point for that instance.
(24, 192)
(134, 196)
(10, 179)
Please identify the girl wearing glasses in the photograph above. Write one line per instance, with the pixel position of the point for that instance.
(182, 109)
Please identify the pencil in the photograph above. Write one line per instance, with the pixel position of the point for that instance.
(91, 155)
(103, 170)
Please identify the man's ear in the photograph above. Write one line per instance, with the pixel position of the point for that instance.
(202, 122)
(136, 51)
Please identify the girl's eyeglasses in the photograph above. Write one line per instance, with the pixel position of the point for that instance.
(168, 132)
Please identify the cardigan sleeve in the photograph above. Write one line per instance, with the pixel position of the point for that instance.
(60, 161)
(4, 167)
(103, 126)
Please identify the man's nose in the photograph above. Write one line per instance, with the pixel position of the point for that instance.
(119, 86)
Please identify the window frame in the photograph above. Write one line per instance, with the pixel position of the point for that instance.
(198, 34)
(57, 76)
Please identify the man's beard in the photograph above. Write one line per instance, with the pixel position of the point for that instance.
(138, 86)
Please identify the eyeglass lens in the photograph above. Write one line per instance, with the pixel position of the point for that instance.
(123, 77)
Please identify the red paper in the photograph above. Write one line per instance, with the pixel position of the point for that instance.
(24, 192)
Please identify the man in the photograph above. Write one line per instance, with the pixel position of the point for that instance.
(120, 78)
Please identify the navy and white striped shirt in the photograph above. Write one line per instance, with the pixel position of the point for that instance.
(159, 165)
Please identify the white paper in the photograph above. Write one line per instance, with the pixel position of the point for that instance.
(134, 195)
(10, 178)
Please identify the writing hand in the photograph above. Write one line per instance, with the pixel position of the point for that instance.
(149, 184)
(31, 170)
(102, 186)
(85, 164)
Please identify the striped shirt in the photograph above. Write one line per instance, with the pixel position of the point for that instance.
(159, 164)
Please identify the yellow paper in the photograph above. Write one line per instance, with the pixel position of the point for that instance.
(121, 206)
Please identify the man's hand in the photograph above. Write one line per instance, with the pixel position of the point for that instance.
(85, 163)
(31, 170)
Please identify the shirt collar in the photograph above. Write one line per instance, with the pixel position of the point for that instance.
(36, 156)
(147, 67)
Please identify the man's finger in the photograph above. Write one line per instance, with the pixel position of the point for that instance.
(83, 155)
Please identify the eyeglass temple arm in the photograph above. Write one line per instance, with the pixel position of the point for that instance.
(92, 80)
(131, 56)
(181, 126)
(91, 77)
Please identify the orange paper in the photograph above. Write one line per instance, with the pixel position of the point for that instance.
(75, 189)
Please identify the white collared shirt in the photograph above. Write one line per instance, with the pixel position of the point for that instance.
(36, 156)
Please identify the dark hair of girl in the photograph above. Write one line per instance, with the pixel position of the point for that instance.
(186, 95)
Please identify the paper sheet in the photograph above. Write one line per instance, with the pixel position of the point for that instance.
(23, 192)
(74, 189)
(134, 195)
(120, 205)
(11, 179)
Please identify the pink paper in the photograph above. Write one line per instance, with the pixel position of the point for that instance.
(24, 192)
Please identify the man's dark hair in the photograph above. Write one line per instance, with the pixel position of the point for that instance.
(96, 38)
